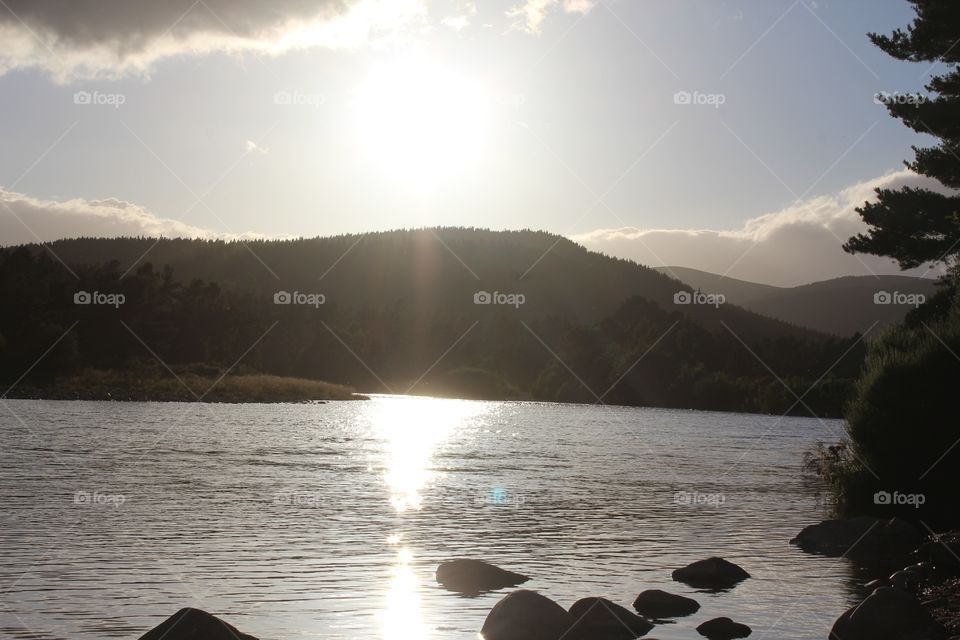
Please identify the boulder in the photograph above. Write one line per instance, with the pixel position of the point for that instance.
(472, 577)
(723, 629)
(660, 604)
(712, 573)
(859, 536)
(601, 619)
(194, 624)
(887, 614)
(526, 615)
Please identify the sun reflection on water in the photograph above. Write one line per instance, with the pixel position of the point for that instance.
(412, 429)
(401, 620)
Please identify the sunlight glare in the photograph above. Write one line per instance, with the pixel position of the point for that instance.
(401, 620)
(421, 122)
(412, 429)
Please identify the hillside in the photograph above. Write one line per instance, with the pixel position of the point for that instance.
(427, 270)
(840, 306)
(396, 311)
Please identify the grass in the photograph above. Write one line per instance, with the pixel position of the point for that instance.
(113, 385)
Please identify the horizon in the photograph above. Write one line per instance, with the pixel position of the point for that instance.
(919, 273)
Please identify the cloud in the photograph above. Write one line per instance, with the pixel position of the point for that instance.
(797, 245)
(110, 38)
(24, 219)
(529, 15)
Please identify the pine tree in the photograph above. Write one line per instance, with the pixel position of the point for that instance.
(914, 225)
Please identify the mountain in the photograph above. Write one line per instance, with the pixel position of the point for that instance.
(840, 306)
(450, 311)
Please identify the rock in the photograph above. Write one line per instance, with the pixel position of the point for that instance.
(712, 573)
(723, 629)
(886, 614)
(475, 576)
(194, 624)
(601, 619)
(526, 615)
(660, 604)
(859, 536)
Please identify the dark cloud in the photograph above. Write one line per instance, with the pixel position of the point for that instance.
(130, 25)
(83, 38)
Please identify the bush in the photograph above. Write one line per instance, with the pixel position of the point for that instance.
(903, 426)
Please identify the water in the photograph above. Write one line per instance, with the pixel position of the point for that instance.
(328, 521)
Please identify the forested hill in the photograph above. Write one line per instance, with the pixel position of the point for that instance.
(392, 309)
(427, 271)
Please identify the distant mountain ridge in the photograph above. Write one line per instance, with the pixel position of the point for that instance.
(840, 306)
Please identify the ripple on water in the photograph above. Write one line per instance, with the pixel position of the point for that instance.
(328, 521)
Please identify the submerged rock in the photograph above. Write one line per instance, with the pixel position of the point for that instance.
(475, 576)
(526, 615)
(601, 619)
(887, 614)
(723, 629)
(859, 536)
(712, 573)
(660, 604)
(194, 624)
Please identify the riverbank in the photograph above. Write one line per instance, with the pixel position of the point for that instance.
(187, 387)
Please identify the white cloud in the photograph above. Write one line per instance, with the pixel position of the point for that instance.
(24, 219)
(529, 15)
(797, 245)
(112, 38)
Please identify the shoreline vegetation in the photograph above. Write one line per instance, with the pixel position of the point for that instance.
(187, 387)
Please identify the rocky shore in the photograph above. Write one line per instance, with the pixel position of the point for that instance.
(920, 601)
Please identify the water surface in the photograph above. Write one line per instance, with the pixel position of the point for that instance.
(328, 520)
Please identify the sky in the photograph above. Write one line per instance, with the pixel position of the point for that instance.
(731, 136)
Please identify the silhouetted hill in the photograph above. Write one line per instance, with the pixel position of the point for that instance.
(840, 306)
(397, 311)
(426, 269)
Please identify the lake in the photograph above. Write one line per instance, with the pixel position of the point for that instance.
(328, 520)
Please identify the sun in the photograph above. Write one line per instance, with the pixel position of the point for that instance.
(421, 122)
